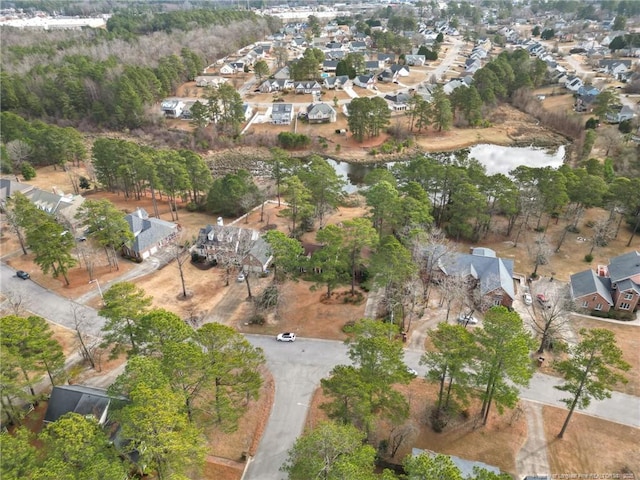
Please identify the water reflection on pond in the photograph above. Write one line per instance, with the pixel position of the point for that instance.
(495, 158)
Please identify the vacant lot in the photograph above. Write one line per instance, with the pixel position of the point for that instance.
(591, 446)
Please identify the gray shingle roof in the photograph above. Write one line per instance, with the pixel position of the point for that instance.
(148, 231)
(232, 238)
(624, 266)
(588, 283)
(483, 265)
(76, 398)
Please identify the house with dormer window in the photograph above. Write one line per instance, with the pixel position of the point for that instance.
(615, 286)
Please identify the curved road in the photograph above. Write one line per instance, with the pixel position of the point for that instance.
(297, 369)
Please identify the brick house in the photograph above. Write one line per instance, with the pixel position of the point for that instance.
(614, 286)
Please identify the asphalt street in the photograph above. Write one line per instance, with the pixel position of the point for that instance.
(46, 304)
(297, 369)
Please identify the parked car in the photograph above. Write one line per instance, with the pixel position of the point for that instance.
(240, 278)
(412, 371)
(543, 300)
(23, 275)
(467, 320)
(527, 299)
(286, 337)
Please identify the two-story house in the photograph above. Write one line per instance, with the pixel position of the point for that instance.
(614, 286)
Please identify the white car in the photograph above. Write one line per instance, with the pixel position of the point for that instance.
(240, 278)
(527, 299)
(467, 320)
(286, 337)
(412, 371)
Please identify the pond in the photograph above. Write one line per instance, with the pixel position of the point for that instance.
(495, 158)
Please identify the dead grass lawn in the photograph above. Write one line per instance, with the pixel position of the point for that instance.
(590, 445)
(495, 444)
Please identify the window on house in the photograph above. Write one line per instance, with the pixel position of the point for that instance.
(585, 304)
(624, 306)
(593, 299)
(598, 306)
(628, 296)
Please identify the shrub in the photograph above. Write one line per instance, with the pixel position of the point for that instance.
(256, 319)
(573, 229)
(625, 126)
(28, 172)
(588, 258)
(289, 141)
(347, 327)
(84, 184)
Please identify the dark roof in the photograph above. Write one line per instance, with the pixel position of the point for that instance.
(148, 231)
(491, 271)
(78, 399)
(9, 187)
(232, 238)
(624, 266)
(626, 285)
(588, 283)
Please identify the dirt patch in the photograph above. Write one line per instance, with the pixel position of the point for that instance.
(591, 446)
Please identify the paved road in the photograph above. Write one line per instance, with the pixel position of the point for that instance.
(46, 304)
(297, 369)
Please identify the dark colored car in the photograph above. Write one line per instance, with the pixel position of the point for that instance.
(23, 275)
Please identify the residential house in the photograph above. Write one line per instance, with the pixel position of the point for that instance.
(573, 84)
(63, 207)
(85, 401)
(283, 74)
(9, 187)
(358, 46)
(587, 90)
(489, 277)
(614, 286)
(321, 113)
(400, 70)
(276, 85)
(615, 68)
(228, 242)
(172, 107)
(451, 85)
(150, 235)
(365, 81)
(415, 60)
(329, 65)
(238, 67)
(337, 83)
(387, 57)
(307, 87)
(399, 101)
(372, 66)
(619, 114)
(209, 81)
(227, 69)
(247, 109)
(282, 113)
(387, 76)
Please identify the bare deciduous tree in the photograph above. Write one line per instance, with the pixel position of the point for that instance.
(551, 322)
(86, 343)
(18, 152)
(18, 305)
(539, 252)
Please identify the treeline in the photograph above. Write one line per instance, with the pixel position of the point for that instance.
(97, 78)
(142, 21)
(134, 169)
(81, 88)
(37, 143)
(178, 382)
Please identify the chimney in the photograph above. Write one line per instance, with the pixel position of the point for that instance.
(220, 222)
